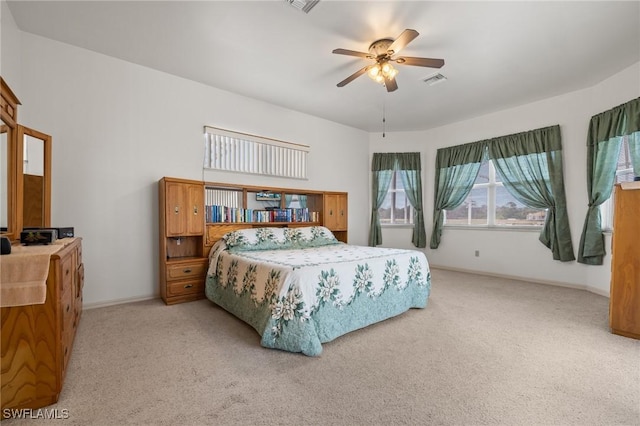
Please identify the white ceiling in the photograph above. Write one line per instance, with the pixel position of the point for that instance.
(497, 54)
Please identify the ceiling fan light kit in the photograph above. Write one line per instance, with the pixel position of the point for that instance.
(382, 52)
(382, 71)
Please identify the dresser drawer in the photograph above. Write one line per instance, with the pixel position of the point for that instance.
(80, 281)
(79, 254)
(180, 288)
(185, 271)
(68, 273)
(66, 347)
(67, 309)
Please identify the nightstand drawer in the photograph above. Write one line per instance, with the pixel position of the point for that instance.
(185, 287)
(186, 270)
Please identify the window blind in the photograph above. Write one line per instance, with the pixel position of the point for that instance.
(243, 153)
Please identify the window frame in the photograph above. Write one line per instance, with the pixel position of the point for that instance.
(393, 190)
(491, 187)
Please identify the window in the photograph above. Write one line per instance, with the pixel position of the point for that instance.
(397, 189)
(396, 208)
(624, 173)
(490, 204)
(243, 153)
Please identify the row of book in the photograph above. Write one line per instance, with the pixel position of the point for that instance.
(224, 214)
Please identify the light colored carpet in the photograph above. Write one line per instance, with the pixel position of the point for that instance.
(484, 351)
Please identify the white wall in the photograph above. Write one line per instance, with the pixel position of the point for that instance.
(518, 253)
(9, 48)
(117, 128)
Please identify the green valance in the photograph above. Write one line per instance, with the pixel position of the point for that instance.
(619, 121)
(536, 141)
(460, 154)
(395, 161)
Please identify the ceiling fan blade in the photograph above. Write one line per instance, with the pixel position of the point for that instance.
(351, 53)
(390, 84)
(420, 62)
(403, 39)
(354, 76)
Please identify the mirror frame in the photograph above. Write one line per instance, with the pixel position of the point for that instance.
(9, 115)
(46, 201)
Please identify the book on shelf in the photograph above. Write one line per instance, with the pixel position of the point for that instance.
(224, 214)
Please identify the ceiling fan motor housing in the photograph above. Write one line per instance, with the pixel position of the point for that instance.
(380, 48)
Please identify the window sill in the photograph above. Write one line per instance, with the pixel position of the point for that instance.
(396, 226)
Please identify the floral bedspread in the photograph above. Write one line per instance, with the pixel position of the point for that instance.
(299, 298)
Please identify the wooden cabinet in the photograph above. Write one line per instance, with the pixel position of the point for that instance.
(624, 301)
(183, 262)
(335, 210)
(184, 208)
(37, 340)
(186, 278)
(336, 214)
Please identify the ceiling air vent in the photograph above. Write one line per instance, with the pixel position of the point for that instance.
(303, 5)
(435, 79)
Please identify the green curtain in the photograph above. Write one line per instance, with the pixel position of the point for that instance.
(530, 164)
(382, 167)
(634, 149)
(381, 181)
(603, 147)
(408, 166)
(457, 168)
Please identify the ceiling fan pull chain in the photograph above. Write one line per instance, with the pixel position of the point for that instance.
(384, 119)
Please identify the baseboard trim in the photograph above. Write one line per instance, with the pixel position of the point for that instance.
(525, 279)
(87, 306)
(590, 289)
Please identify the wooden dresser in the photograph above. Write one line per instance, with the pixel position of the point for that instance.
(37, 339)
(624, 301)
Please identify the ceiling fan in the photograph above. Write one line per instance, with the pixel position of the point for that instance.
(383, 51)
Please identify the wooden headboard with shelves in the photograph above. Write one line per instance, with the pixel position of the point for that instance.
(194, 215)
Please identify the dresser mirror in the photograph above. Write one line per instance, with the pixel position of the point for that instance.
(8, 185)
(36, 177)
(4, 176)
(25, 172)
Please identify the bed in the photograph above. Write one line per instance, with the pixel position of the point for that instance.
(301, 287)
